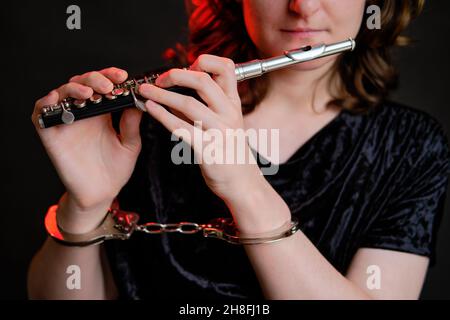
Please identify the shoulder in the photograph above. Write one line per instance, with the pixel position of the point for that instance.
(408, 118)
(411, 130)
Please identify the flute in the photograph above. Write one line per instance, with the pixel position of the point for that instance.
(126, 95)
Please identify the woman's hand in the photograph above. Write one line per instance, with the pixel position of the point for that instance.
(93, 162)
(221, 113)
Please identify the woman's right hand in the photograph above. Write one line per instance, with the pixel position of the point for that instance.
(92, 160)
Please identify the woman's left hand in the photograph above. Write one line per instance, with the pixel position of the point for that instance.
(221, 120)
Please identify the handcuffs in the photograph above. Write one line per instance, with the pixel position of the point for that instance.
(120, 224)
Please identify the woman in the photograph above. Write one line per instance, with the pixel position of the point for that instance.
(366, 177)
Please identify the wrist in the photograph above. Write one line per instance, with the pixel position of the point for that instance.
(72, 219)
(259, 209)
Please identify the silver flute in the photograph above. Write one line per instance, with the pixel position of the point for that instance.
(126, 94)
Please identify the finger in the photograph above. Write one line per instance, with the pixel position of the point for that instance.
(207, 89)
(189, 106)
(175, 125)
(129, 128)
(114, 74)
(223, 70)
(51, 98)
(74, 90)
(95, 80)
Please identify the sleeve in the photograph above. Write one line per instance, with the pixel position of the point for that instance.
(410, 221)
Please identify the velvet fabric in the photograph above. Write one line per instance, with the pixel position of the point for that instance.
(371, 180)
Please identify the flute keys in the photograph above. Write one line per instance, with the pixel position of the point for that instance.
(79, 103)
(50, 108)
(110, 96)
(67, 117)
(96, 98)
(118, 92)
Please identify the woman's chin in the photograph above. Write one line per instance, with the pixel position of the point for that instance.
(312, 65)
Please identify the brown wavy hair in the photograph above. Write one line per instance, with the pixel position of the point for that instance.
(368, 75)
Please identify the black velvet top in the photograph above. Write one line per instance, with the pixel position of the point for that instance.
(372, 180)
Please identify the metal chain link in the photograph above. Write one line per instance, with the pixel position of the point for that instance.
(181, 227)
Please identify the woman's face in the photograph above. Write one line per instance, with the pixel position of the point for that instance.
(278, 25)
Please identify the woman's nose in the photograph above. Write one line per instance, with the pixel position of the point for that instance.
(304, 7)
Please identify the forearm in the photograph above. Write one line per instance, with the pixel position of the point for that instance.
(291, 268)
(55, 268)
(48, 277)
(294, 269)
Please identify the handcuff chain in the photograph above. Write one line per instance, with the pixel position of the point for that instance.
(220, 228)
(181, 227)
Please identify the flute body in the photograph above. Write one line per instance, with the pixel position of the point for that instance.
(126, 95)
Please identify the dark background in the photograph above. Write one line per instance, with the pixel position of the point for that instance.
(39, 53)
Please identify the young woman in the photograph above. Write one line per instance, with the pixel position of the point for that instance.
(366, 177)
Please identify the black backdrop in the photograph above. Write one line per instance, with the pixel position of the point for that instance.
(40, 53)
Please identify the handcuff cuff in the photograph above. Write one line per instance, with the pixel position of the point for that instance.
(120, 224)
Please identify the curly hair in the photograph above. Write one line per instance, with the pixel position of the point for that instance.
(368, 75)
